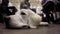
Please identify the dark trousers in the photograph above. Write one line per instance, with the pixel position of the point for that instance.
(6, 20)
(1, 19)
(47, 17)
(49, 6)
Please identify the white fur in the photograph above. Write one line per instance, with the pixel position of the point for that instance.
(30, 19)
(33, 18)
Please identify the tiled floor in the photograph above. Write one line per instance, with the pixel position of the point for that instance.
(51, 29)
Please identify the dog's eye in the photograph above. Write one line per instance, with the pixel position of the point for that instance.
(22, 13)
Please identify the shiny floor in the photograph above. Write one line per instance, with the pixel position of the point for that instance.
(51, 29)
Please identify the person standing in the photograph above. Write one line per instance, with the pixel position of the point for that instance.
(48, 6)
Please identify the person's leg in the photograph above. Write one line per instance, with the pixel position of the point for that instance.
(52, 18)
(6, 20)
(48, 18)
(47, 15)
(49, 6)
(1, 19)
